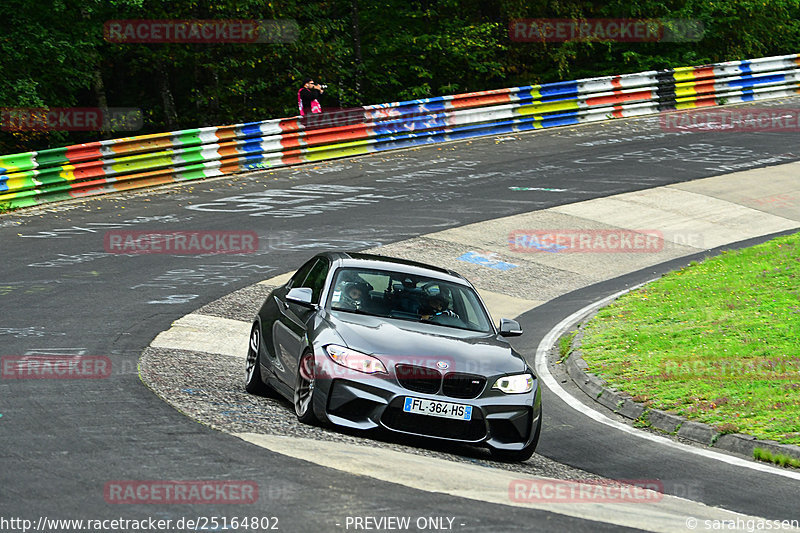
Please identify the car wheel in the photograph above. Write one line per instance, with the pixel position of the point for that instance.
(304, 390)
(252, 381)
(517, 456)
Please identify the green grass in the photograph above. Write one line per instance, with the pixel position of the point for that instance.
(643, 421)
(778, 458)
(565, 345)
(717, 342)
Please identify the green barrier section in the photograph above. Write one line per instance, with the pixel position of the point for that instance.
(52, 157)
(17, 162)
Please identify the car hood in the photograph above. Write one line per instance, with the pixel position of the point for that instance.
(400, 341)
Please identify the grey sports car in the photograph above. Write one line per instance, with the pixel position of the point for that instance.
(365, 342)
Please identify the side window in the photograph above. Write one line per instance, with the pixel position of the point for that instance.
(301, 274)
(316, 279)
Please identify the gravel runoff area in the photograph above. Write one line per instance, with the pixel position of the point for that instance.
(210, 389)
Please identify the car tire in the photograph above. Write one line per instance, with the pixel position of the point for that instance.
(518, 456)
(252, 380)
(304, 388)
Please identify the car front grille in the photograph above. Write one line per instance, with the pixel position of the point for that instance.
(465, 386)
(418, 378)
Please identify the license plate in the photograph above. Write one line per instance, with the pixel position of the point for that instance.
(436, 408)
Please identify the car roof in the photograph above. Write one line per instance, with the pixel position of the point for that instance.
(380, 262)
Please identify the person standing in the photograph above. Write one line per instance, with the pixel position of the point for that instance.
(308, 97)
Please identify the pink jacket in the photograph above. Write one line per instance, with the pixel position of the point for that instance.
(315, 107)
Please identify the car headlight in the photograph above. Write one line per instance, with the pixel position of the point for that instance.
(516, 384)
(355, 360)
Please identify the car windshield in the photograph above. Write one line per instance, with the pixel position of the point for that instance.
(408, 297)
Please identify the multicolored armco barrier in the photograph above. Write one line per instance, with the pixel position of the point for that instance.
(33, 178)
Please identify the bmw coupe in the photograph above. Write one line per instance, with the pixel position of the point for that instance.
(366, 342)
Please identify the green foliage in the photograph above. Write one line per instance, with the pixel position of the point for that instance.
(54, 54)
(565, 345)
(780, 459)
(643, 421)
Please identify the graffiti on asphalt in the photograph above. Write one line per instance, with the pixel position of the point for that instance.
(295, 202)
(100, 227)
(223, 274)
(30, 331)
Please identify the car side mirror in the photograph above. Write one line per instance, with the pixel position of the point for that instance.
(300, 295)
(509, 328)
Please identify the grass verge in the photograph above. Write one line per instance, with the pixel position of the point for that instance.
(565, 346)
(761, 454)
(717, 342)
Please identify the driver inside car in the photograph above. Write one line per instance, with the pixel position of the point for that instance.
(437, 306)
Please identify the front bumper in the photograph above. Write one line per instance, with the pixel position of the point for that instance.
(500, 421)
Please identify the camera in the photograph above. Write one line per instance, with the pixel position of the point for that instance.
(324, 86)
